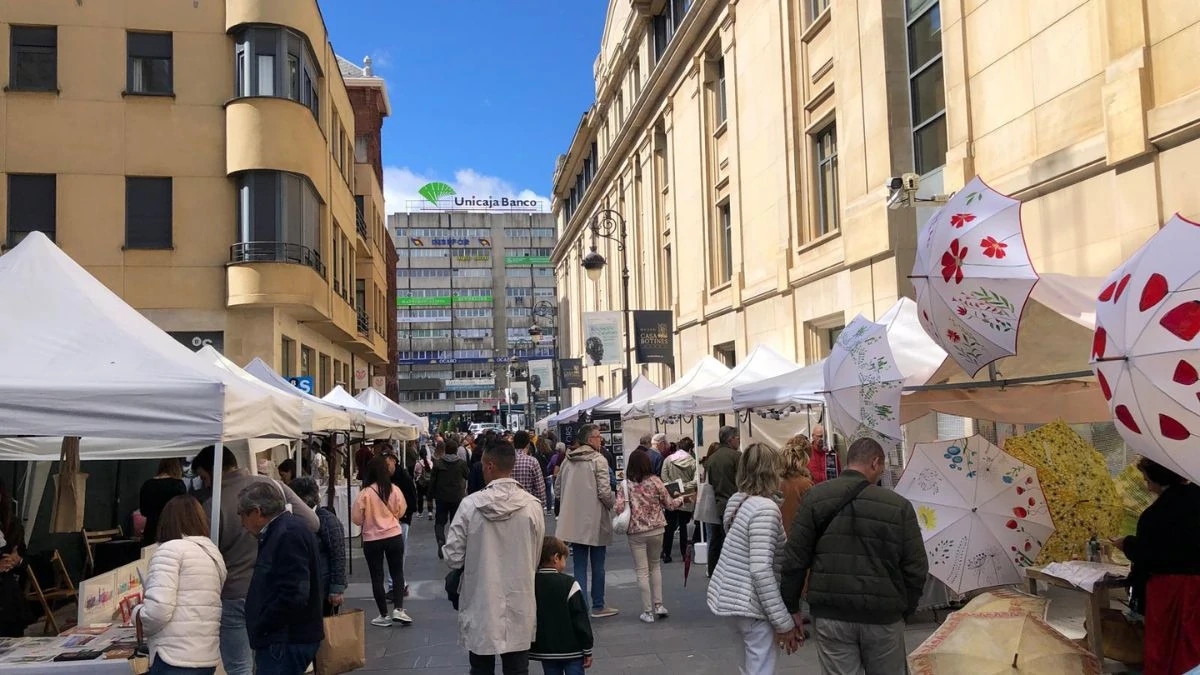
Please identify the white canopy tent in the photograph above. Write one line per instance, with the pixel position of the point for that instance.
(377, 424)
(572, 413)
(382, 404)
(642, 388)
(326, 416)
(716, 398)
(706, 372)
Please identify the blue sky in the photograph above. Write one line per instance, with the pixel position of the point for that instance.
(485, 93)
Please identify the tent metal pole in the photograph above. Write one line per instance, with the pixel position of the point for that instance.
(994, 384)
(218, 470)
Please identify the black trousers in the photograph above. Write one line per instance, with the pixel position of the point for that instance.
(512, 663)
(422, 499)
(676, 520)
(444, 514)
(715, 542)
(391, 548)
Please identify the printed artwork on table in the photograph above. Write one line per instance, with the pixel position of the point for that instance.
(988, 307)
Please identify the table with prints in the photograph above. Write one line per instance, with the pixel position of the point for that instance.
(35, 655)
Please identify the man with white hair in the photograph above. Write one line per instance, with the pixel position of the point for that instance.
(659, 449)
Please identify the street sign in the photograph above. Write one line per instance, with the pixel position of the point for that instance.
(304, 383)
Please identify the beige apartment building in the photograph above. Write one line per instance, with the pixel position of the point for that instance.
(213, 163)
(747, 145)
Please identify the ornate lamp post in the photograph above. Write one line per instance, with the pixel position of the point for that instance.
(608, 224)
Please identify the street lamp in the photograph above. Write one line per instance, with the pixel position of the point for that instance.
(608, 224)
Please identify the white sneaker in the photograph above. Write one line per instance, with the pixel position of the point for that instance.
(382, 622)
(661, 612)
(646, 617)
(402, 616)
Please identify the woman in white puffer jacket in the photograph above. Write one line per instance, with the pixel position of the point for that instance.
(745, 585)
(180, 614)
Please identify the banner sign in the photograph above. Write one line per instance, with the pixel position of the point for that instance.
(527, 260)
(194, 340)
(570, 373)
(541, 375)
(304, 383)
(602, 338)
(441, 300)
(653, 336)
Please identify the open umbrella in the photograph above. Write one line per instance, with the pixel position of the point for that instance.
(1007, 643)
(1146, 350)
(864, 385)
(973, 276)
(982, 512)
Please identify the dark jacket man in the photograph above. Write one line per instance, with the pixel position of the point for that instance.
(448, 480)
(721, 467)
(284, 603)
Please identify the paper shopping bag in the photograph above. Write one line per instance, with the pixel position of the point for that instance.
(345, 646)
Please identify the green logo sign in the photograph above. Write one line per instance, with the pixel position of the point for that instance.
(441, 300)
(542, 260)
(435, 191)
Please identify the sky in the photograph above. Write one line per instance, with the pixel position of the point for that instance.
(485, 94)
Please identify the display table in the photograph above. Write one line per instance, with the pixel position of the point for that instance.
(35, 655)
(1098, 599)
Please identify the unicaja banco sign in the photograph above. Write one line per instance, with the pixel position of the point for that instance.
(442, 197)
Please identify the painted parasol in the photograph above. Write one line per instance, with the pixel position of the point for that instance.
(1000, 643)
(864, 385)
(973, 276)
(981, 511)
(1146, 350)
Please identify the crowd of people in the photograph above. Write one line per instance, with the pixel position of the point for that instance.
(799, 548)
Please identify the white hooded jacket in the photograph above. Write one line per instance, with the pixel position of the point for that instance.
(181, 608)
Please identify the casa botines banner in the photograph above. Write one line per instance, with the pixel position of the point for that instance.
(570, 373)
(653, 336)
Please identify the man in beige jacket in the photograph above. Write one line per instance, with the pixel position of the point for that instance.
(585, 516)
(496, 539)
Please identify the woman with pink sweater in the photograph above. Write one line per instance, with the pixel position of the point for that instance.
(378, 510)
(648, 499)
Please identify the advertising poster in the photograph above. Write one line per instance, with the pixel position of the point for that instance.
(570, 373)
(653, 336)
(541, 375)
(602, 338)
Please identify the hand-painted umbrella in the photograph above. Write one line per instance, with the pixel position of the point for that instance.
(973, 276)
(864, 385)
(1146, 350)
(1003, 643)
(982, 512)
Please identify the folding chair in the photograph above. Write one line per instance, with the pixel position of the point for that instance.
(62, 591)
(90, 539)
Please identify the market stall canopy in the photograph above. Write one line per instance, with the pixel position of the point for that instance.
(382, 404)
(642, 388)
(78, 361)
(706, 372)
(377, 425)
(572, 413)
(717, 397)
(326, 416)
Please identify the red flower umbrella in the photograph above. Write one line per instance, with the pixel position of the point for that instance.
(973, 276)
(1145, 351)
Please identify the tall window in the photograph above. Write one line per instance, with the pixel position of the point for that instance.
(279, 219)
(148, 213)
(31, 206)
(326, 383)
(33, 58)
(273, 61)
(360, 148)
(825, 154)
(667, 23)
(667, 282)
(287, 356)
(926, 88)
(306, 361)
(149, 68)
(724, 244)
(726, 353)
(722, 101)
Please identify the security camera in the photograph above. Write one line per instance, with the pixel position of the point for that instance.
(895, 184)
(911, 182)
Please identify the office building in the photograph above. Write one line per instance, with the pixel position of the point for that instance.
(473, 277)
(214, 164)
(748, 143)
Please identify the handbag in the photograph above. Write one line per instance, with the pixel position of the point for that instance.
(345, 646)
(620, 521)
(706, 504)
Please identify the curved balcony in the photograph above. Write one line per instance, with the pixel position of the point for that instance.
(301, 16)
(277, 273)
(264, 132)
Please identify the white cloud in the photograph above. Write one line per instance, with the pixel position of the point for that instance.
(400, 185)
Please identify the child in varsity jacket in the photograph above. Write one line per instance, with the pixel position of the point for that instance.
(564, 632)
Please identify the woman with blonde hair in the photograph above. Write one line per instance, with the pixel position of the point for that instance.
(745, 584)
(797, 479)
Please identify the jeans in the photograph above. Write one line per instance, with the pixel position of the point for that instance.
(581, 554)
(285, 659)
(512, 663)
(572, 667)
(443, 514)
(758, 639)
(375, 551)
(676, 520)
(549, 491)
(160, 667)
(845, 648)
(645, 548)
(236, 656)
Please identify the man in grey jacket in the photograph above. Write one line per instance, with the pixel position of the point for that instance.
(585, 517)
(239, 548)
(864, 549)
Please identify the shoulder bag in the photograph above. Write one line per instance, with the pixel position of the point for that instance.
(850, 496)
(621, 520)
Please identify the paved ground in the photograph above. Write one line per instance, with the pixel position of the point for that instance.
(692, 641)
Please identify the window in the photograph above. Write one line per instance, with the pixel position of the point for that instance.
(326, 383)
(666, 24)
(148, 213)
(360, 148)
(831, 337)
(306, 361)
(722, 101)
(818, 7)
(279, 220)
(260, 53)
(726, 353)
(287, 356)
(825, 151)
(668, 295)
(32, 206)
(927, 91)
(724, 244)
(33, 60)
(149, 68)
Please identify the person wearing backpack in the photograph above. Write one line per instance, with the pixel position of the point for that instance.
(421, 474)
